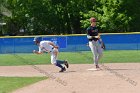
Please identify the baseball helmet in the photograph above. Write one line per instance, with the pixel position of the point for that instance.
(92, 19)
(38, 38)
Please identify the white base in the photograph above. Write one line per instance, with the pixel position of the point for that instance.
(92, 69)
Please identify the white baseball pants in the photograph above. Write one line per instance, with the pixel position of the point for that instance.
(96, 50)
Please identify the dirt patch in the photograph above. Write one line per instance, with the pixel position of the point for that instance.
(113, 78)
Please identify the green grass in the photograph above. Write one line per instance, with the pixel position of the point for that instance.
(8, 84)
(73, 57)
(127, 56)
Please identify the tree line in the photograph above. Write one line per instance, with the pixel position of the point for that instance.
(41, 17)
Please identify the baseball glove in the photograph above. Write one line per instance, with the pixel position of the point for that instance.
(103, 45)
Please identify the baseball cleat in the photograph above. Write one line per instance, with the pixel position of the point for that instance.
(63, 69)
(66, 64)
(97, 67)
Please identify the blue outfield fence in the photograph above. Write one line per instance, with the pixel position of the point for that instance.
(70, 43)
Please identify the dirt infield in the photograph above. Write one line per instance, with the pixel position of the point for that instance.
(113, 78)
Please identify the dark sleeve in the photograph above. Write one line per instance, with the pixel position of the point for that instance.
(96, 31)
(88, 31)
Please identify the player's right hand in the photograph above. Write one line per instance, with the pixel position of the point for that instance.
(97, 36)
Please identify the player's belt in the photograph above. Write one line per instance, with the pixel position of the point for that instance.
(52, 49)
(93, 39)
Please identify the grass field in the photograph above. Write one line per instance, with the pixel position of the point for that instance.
(73, 58)
(8, 84)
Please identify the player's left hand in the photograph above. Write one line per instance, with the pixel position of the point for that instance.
(97, 36)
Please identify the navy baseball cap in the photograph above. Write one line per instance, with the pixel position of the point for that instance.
(38, 38)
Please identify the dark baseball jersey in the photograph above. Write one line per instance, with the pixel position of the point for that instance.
(92, 31)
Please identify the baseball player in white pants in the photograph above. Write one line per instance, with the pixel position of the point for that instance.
(50, 47)
(95, 42)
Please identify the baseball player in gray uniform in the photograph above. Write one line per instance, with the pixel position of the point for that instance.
(95, 42)
(52, 49)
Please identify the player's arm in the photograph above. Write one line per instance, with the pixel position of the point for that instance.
(98, 36)
(102, 43)
(88, 34)
(38, 52)
(51, 43)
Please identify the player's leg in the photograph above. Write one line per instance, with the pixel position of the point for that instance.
(93, 48)
(97, 56)
(54, 60)
(58, 63)
(100, 52)
(65, 62)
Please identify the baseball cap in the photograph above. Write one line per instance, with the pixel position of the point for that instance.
(92, 19)
(38, 38)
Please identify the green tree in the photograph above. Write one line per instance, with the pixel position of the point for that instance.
(132, 8)
(110, 15)
(69, 16)
(5, 14)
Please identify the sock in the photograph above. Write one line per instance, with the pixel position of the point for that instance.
(59, 65)
(60, 62)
